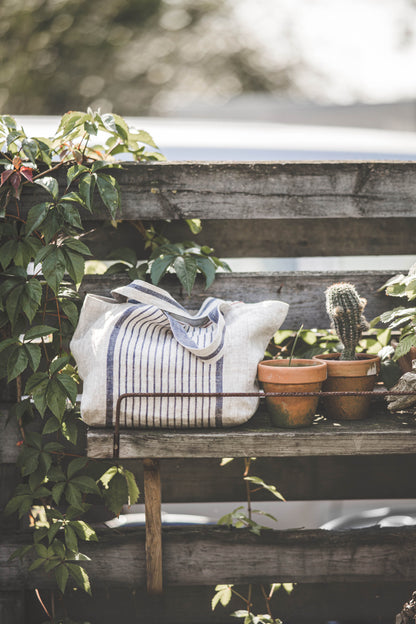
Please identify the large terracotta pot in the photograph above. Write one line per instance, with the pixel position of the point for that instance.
(301, 376)
(345, 376)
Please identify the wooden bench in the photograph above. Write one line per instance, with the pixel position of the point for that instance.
(260, 210)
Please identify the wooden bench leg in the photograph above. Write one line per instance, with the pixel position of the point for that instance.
(152, 502)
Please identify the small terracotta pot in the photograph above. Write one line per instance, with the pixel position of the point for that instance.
(345, 376)
(301, 376)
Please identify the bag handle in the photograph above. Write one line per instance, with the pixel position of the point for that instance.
(208, 347)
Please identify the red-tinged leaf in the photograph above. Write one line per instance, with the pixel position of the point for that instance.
(5, 176)
(15, 180)
(17, 162)
(27, 172)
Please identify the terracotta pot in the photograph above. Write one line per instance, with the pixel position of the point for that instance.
(301, 376)
(349, 375)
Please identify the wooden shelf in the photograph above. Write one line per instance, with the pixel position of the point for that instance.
(381, 434)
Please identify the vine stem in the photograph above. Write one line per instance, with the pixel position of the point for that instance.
(267, 599)
(19, 400)
(247, 463)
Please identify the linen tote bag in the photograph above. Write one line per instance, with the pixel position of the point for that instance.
(143, 340)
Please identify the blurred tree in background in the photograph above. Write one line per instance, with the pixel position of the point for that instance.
(135, 57)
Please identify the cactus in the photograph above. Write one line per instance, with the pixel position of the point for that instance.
(345, 309)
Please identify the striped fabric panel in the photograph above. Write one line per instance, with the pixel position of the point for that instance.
(144, 356)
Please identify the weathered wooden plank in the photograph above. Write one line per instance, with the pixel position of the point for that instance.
(263, 238)
(12, 607)
(211, 555)
(303, 291)
(272, 190)
(307, 604)
(297, 478)
(378, 435)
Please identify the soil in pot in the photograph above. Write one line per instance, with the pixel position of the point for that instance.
(301, 376)
(345, 376)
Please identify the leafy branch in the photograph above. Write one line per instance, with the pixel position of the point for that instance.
(42, 263)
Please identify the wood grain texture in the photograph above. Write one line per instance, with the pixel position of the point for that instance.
(303, 291)
(297, 478)
(272, 190)
(378, 435)
(262, 238)
(211, 555)
(152, 494)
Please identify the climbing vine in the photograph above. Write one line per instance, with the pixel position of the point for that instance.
(42, 260)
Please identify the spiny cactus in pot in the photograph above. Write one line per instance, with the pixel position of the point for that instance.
(348, 371)
(345, 309)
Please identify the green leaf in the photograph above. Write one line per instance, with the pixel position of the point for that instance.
(36, 217)
(57, 491)
(53, 267)
(71, 311)
(117, 493)
(84, 531)
(31, 298)
(85, 484)
(223, 595)
(75, 465)
(56, 398)
(8, 252)
(86, 188)
(38, 331)
(186, 269)
(58, 363)
(109, 192)
(17, 363)
(51, 425)
(133, 490)
(75, 265)
(74, 172)
(71, 540)
(73, 496)
(50, 184)
(62, 575)
(194, 225)
(159, 267)
(30, 149)
(270, 488)
(33, 353)
(404, 346)
(208, 268)
(80, 576)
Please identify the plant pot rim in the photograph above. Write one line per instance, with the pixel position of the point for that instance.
(301, 371)
(365, 365)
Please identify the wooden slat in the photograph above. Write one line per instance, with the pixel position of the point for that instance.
(263, 238)
(297, 478)
(310, 603)
(379, 435)
(211, 555)
(273, 190)
(303, 291)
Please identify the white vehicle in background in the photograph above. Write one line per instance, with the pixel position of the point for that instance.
(219, 140)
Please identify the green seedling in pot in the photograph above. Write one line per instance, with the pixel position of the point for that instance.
(345, 309)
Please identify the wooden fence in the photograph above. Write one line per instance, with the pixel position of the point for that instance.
(253, 210)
